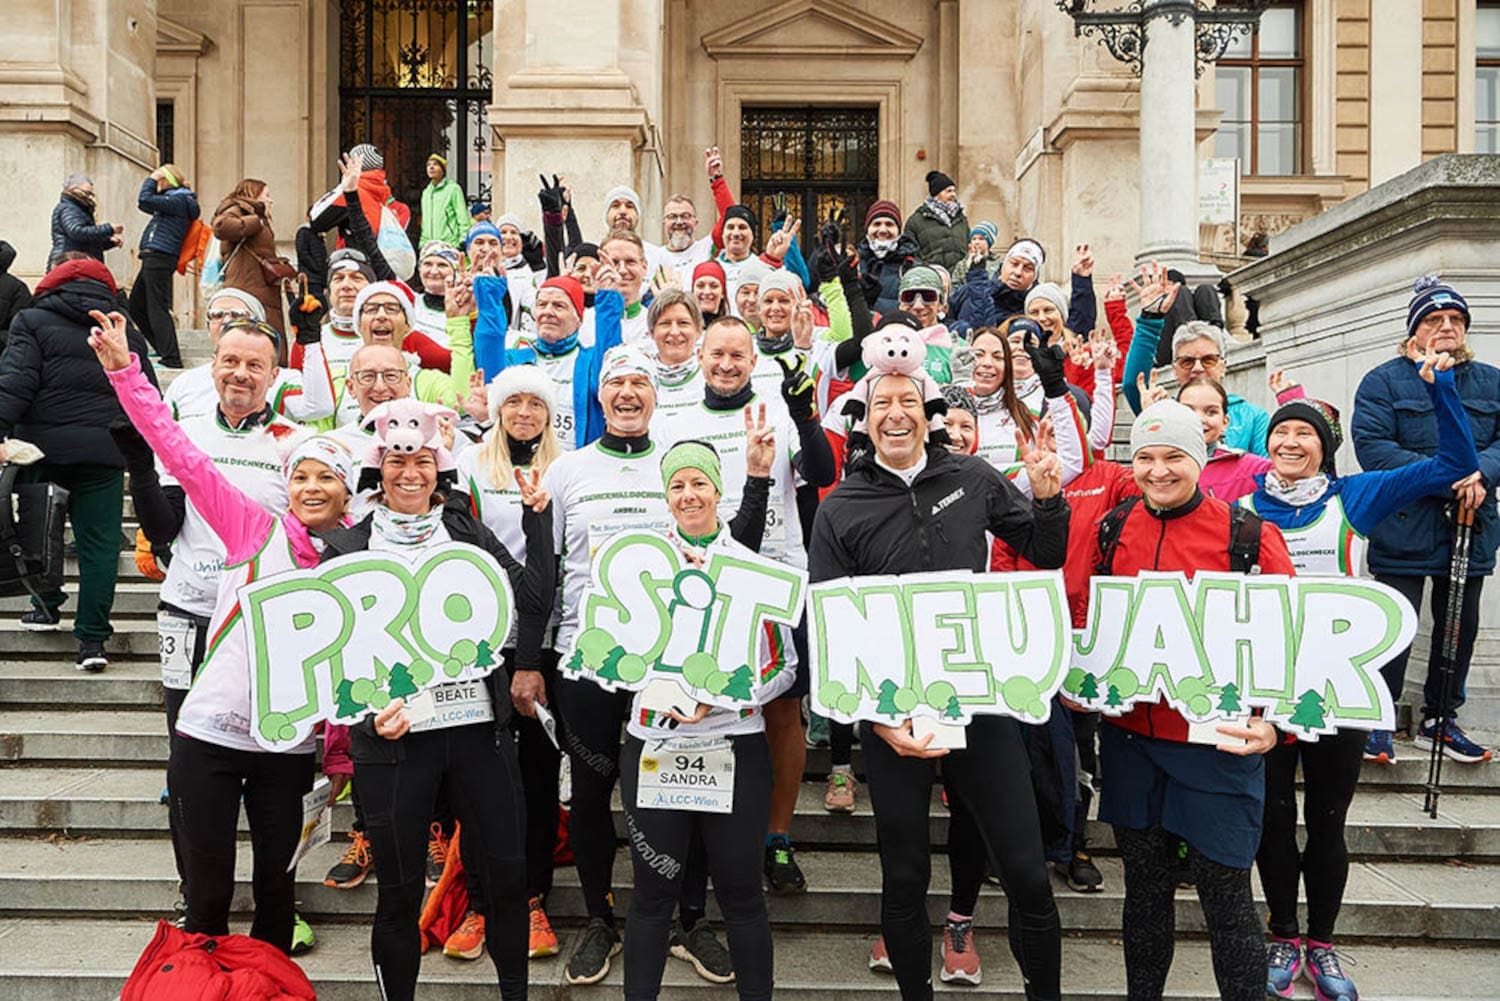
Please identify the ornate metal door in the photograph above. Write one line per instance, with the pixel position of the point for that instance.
(815, 160)
(414, 79)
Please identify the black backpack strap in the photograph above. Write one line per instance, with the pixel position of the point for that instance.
(1110, 527)
(10, 540)
(1244, 540)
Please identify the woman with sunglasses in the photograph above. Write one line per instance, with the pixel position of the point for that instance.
(215, 764)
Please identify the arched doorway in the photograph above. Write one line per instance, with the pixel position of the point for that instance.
(415, 79)
(811, 160)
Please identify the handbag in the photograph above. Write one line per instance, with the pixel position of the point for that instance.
(275, 270)
(31, 535)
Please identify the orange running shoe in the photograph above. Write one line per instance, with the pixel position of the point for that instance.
(437, 854)
(543, 938)
(468, 941)
(351, 870)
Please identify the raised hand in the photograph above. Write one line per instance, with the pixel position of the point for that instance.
(760, 442)
(662, 280)
(533, 494)
(1150, 391)
(458, 295)
(477, 402)
(1115, 289)
(605, 275)
(350, 171)
(109, 341)
(1279, 382)
(1043, 468)
(551, 195)
(447, 430)
(1046, 360)
(1156, 291)
(1077, 349)
(781, 240)
(802, 324)
(1433, 362)
(798, 388)
(1083, 260)
(1102, 346)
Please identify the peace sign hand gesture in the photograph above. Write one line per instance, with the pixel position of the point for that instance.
(108, 340)
(1043, 468)
(760, 443)
(550, 197)
(781, 240)
(458, 295)
(477, 402)
(1102, 346)
(533, 494)
(1077, 348)
(1150, 391)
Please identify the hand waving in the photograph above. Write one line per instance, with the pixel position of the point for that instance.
(108, 340)
(350, 171)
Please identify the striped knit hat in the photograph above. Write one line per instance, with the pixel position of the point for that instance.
(1430, 294)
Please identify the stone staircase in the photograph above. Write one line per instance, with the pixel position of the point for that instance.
(85, 866)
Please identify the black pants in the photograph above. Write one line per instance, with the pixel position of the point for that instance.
(993, 779)
(206, 783)
(1468, 628)
(539, 761)
(151, 306)
(592, 719)
(1150, 919)
(483, 784)
(662, 845)
(96, 498)
(172, 699)
(1330, 769)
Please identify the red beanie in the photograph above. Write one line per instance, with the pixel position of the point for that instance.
(886, 208)
(570, 287)
(710, 269)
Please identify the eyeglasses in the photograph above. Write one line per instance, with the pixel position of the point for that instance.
(382, 309)
(1188, 362)
(911, 295)
(390, 376)
(680, 216)
(215, 315)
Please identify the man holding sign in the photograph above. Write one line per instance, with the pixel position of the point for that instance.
(910, 508)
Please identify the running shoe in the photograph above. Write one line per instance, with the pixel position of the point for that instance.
(1456, 744)
(41, 620)
(166, 796)
(543, 938)
(783, 874)
(589, 963)
(91, 656)
(437, 854)
(817, 730)
(960, 961)
(467, 940)
(702, 948)
(351, 870)
(841, 788)
(1082, 875)
(303, 939)
(1283, 963)
(880, 960)
(1380, 747)
(1326, 974)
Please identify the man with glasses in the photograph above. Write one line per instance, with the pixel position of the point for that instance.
(348, 273)
(302, 394)
(627, 254)
(384, 321)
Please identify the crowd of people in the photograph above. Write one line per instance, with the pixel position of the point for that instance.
(715, 390)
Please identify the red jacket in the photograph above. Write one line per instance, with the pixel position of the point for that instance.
(1082, 376)
(1192, 538)
(178, 966)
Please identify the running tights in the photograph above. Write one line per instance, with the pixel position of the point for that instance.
(993, 779)
(1330, 769)
(1235, 938)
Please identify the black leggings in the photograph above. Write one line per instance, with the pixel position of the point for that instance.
(592, 718)
(483, 783)
(993, 779)
(663, 843)
(206, 783)
(1150, 920)
(172, 699)
(1330, 770)
(1468, 628)
(538, 761)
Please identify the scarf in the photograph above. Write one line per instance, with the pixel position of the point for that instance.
(773, 345)
(625, 446)
(882, 247)
(343, 324)
(990, 404)
(676, 375)
(406, 529)
(522, 452)
(433, 301)
(946, 211)
(1298, 494)
(555, 349)
(512, 263)
(714, 400)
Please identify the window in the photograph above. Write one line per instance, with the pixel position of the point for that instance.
(1487, 78)
(811, 160)
(166, 116)
(1258, 86)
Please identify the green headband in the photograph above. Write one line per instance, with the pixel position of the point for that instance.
(692, 455)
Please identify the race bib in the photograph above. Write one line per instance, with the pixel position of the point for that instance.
(774, 541)
(602, 530)
(686, 773)
(177, 637)
(456, 704)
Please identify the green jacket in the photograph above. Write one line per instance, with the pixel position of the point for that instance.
(938, 242)
(445, 213)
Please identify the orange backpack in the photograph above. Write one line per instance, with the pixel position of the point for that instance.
(194, 248)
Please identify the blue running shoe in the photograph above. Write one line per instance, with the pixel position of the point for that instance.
(1456, 744)
(1283, 963)
(1379, 747)
(1326, 974)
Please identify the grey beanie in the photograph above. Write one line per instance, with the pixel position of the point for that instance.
(779, 280)
(1168, 422)
(1053, 293)
(368, 156)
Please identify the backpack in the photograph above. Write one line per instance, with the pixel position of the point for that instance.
(178, 966)
(194, 248)
(1244, 538)
(31, 535)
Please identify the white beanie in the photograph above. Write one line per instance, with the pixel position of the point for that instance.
(255, 306)
(515, 380)
(1053, 293)
(625, 359)
(401, 292)
(615, 194)
(752, 271)
(1027, 250)
(509, 219)
(779, 280)
(1167, 422)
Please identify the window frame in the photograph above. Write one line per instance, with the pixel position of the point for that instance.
(1250, 166)
(1483, 62)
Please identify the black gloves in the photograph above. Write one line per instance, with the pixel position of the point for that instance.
(551, 196)
(139, 459)
(1046, 359)
(797, 388)
(307, 324)
(533, 251)
(827, 262)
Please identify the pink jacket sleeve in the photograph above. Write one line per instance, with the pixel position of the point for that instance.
(336, 759)
(240, 523)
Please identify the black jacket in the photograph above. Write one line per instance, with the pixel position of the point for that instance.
(14, 295)
(53, 391)
(534, 584)
(882, 275)
(873, 523)
(73, 228)
(172, 212)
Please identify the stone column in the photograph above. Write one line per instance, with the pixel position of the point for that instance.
(1168, 142)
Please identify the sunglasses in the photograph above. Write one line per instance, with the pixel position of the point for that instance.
(1187, 364)
(254, 327)
(214, 315)
(912, 295)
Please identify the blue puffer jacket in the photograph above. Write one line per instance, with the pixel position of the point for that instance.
(73, 228)
(1394, 424)
(171, 211)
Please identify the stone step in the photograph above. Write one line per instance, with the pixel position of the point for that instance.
(136, 597)
(825, 965)
(108, 801)
(128, 877)
(34, 684)
(132, 638)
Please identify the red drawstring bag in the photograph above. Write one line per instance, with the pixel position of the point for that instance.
(177, 966)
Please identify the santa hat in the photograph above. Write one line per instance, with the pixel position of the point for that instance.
(400, 290)
(516, 380)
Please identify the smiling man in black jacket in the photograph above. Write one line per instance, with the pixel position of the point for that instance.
(913, 507)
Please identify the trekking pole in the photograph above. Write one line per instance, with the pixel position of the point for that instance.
(1458, 579)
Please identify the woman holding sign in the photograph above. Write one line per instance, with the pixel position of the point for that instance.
(693, 738)
(215, 762)
(1324, 518)
(409, 752)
